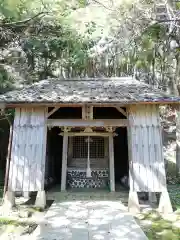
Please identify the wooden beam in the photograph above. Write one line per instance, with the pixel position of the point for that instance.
(105, 104)
(87, 112)
(87, 123)
(52, 111)
(102, 134)
(121, 110)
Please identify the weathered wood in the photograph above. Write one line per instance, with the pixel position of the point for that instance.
(96, 163)
(121, 110)
(64, 163)
(106, 147)
(9, 201)
(152, 197)
(52, 111)
(133, 203)
(87, 112)
(8, 161)
(87, 123)
(14, 153)
(40, 199)
(35, 105)
(111, 164)
(165, 203)
(147, 170)
(28, 150)
(103, 134)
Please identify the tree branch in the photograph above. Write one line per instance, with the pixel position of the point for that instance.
(22, 21)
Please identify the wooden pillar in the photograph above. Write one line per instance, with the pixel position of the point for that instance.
(106, 148)
(70, 147)
(133, 201)
(111, 163)
(64, 162)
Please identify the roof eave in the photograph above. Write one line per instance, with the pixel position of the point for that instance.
(51, 104)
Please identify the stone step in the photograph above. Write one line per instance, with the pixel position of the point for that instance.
(118, 196)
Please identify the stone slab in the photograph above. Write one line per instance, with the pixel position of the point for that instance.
(88, 220)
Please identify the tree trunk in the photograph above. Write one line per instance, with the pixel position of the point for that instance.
(178, 136)
(177, 92)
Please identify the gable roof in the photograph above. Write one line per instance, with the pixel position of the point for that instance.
(108, 90)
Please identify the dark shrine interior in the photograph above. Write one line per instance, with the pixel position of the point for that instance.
(55, 141)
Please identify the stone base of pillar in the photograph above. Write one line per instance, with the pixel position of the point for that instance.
(152, 197)
(40, 199)
(26, 194)
(133, 203)
(9, 200)
(165, 206)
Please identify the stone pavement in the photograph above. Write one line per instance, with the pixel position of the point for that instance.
(88, 220)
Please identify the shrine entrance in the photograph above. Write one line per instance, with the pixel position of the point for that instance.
(87, 162)
(87, 147)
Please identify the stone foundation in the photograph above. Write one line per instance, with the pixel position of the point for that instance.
(76, 178)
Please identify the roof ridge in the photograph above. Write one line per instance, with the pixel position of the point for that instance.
(89, 79)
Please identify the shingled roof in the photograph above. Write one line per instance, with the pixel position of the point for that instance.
(111, 90)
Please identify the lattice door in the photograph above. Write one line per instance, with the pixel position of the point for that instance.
(82, 147)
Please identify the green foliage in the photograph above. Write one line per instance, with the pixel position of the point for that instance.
(8, 221)
(174, 193)
(13, 10)
(161, 229)
(178, 5)
(6, 80)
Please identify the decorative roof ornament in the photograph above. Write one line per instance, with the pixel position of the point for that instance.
(88, 130)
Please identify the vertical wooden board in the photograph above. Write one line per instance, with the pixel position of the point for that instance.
(32, 160)
(161, 165)
(153, 162)
(44, 141)
(15, 152)
(38, 148)
(35, 155)
(134, 156)
(161, 154)
(134, 149)
(41, 154)
(151, 152)
(140, 140)
(142, 147)
(20, 166)
(36, 163)
(10, 176)
(132, 132)
(147, 159)
(24, 140)
(147, 162)
(137, 153)
(155, 145)
(41, 159)
(157, 150)
(26, 159)
(130, 152)
(32, 157)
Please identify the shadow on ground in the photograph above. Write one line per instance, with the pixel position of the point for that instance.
(88, 220)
